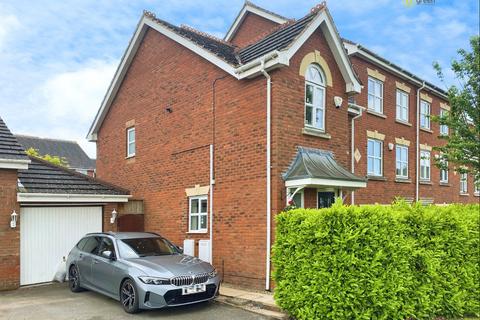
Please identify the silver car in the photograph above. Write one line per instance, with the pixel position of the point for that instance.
(141, 270)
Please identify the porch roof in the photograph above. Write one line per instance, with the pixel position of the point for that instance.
(315, 167)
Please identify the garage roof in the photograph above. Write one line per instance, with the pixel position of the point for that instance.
(44, 177)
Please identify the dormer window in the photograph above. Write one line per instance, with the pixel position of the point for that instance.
(315, 98)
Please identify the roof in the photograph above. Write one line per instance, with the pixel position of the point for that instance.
(316, 163)
(44, 177)
(70, 150)
(9, 146)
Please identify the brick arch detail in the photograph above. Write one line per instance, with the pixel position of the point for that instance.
(315, 57)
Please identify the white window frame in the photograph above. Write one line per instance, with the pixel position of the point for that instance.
(374, 96)
(401, 109)
(375, 158)
(198, 214)
(425, 114)
(476, 188)
(463, 183)
(315, 103)
(425, 162)
(300, 193)
(129, 142)
(443, 127)
(444, 172)
(400, 161)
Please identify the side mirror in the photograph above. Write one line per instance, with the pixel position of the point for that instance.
(180, 249)
(108, 254)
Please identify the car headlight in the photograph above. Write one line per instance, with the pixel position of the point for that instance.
(213, 273)
(154, 280)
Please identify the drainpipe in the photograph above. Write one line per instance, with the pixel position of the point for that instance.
(352, 148)
(417, 156)
(269, 182)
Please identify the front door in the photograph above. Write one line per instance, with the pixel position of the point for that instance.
(326, 199)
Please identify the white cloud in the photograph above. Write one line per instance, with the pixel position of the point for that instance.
(8, 23)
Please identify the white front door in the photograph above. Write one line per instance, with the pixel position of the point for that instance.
(47, 234)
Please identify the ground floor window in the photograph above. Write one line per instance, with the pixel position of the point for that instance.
(463, 183)
(297, 199)
(425, 165)
(325, 199)
(198, 212)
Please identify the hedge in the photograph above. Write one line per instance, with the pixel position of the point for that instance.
(378, 262)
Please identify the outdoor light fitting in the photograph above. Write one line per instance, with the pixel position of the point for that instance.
(338, 101)
(114, 216)
(13, 220)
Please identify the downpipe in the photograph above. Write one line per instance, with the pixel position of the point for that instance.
(352, 148)
(417, 155)
(269, 177)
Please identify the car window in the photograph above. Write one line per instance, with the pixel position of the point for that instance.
(81, 243)
(91, 245)
(145, 247)
(106, 245)
(126, 251)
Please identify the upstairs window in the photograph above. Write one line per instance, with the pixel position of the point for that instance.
(402, 106)
(374, 157)
(198, 212)
(375, 95)
(315, 98)
(425, 165)
(443, 127)
(425, 115)
(131, 142)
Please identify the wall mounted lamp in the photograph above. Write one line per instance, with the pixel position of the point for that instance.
(13, 220)
(114, 216)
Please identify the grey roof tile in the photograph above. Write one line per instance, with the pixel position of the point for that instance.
(9, 146)
(44, 177)
(70, 150)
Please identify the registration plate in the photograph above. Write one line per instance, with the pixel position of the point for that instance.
(194, 289)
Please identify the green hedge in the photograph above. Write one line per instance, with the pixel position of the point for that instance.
(378, 262)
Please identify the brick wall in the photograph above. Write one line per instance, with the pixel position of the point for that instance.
(251, 27)
(172, 151)
(9, 238)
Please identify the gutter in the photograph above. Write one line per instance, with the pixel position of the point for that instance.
(269, 177)
(417, 157)
(245, 70)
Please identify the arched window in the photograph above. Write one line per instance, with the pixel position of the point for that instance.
(315, 97)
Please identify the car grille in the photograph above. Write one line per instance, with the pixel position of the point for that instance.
(181, 281)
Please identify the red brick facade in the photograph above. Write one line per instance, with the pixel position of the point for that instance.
(172, 148)
(252, 27)
(9, 238)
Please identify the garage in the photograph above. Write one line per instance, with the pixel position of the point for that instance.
(48, 234)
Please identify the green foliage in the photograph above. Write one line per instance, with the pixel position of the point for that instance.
(378, 262)
(463, 142)
(59, 161)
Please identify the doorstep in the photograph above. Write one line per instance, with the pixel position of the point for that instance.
(254, 301)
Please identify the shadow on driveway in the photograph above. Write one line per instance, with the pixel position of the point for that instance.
(55, 301)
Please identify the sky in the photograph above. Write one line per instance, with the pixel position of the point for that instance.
(57, 58)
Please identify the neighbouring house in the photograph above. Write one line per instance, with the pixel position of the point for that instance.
(44, 210)
(71, 151)
(216, 136)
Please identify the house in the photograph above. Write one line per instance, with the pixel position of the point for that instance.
(45, 209)
(217, 135)
(71, 151)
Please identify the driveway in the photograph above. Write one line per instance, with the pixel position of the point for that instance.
(55, 301)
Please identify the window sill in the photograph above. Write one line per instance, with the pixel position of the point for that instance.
(403, 180)
(427, 183)
(426, 130)
(405, 123)
(476, 194)
(130, 157)
(377, 178)
(445, 184)
(464, 194)
(197, 232)
(375, 113)
(316, 133)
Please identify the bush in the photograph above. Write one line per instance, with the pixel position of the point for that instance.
(378, 262)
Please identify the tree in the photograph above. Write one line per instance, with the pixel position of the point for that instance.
(59, 161)
(462, 146)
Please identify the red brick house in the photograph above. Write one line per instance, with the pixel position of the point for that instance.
(216, 135)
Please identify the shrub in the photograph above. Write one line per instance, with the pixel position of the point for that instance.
(378, 262)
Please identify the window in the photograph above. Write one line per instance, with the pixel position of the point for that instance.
(315, 98)
(374, 158)
(198, 214)
(375, 95)
(444, 172)
(424, 115)
(106, 245)
(402, 105)
(402, 162)
(131, 142)
(92, 244)
(476, 188)
(425, 165)
(463, 183)
(443, 127)
(297, 198)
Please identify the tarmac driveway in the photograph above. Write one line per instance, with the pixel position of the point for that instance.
(55, 301)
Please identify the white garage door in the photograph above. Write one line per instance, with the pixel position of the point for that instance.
(47, 234)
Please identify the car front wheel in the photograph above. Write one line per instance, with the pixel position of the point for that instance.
(74, 279)
(129, 296)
